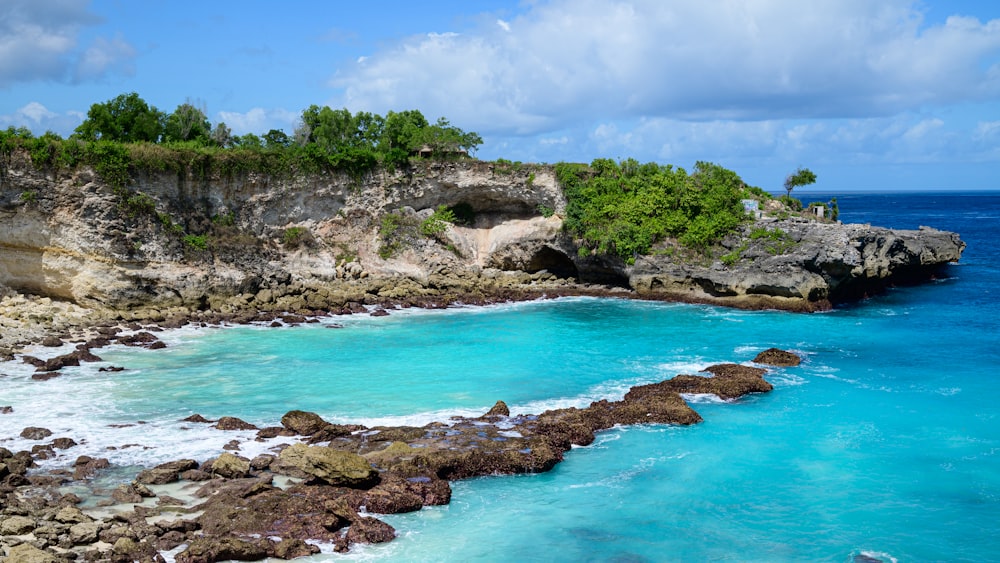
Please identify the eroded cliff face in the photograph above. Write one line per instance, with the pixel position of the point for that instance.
(177, 243)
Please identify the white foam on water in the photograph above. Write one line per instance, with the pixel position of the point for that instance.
(703, 398)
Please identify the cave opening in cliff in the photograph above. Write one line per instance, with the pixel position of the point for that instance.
(554, 262)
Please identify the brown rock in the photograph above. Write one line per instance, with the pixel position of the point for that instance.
(35, 433)
(52, 342)
(370, 530)
(197, 418)
(233, 423)
(293, 547)
(338, 468)
(499, 409)
(302, 422)
(27, 553)
(63, 443)
(86, 467)
(230, 466)
(777, 357)
(212, 549)
(166, 472)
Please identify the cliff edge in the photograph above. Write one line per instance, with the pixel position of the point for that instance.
(172, 243)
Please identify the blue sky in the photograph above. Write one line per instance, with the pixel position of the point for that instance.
(887, 94)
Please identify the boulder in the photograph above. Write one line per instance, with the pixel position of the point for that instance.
(35, 433)
(302, 422)
(27, 553)
(499, 409)
(165, 473)
(16, 525)
(52, 342)
(293, 547)
(338, 468)
(233, 423)
(777, 357)
(85, 466)
(72, 515)
(211, 549)
(230, 466)
(84, 533)
(63, 443)
(370, 530)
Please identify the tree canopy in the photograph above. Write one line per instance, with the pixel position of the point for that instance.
(187, 123)
(624, 208)
(801, 177)
(126, 119)
(326, 137)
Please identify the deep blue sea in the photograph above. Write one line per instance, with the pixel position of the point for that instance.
(885, 443)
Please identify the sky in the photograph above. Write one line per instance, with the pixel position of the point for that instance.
(870, 95)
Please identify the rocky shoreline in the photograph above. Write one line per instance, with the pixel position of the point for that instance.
(88, 264)
(320, 490)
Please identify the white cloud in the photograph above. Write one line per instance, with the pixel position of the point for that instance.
(40, 119)
(40, 41)
(564, 61)
(104, 56)
(36, 112)
(259, 121)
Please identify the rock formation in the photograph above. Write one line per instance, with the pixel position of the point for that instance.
(176, 244)
(281, 505)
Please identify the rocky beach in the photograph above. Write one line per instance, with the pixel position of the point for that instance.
(82, 268)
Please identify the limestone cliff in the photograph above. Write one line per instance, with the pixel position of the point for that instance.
(176, 242)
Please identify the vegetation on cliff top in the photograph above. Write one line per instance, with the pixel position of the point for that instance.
(126, 132)
(615, 208)
(624, 208)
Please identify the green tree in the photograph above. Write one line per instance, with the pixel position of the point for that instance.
(222, 135)
(402, 131)
(187, 123)
(801, 177)
(444, 138)
(276, 139)
(126, 119)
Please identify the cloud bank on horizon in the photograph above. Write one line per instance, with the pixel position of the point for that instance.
(896, 93)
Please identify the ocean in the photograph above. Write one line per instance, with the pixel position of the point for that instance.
(884, 443)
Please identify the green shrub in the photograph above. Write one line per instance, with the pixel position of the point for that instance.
(29, 196)
(624, 208)
(224, 219)
(791, 203)
(545, 210)
(438, 222)
(137, 204)
(196, 242)
(395, 231)
(776, 240)
(294, 236)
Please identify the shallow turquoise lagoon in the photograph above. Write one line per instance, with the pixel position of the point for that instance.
(885, 442)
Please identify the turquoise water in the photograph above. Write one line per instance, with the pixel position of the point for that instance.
(885, 442)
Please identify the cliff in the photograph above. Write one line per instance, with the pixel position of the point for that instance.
(174, 243)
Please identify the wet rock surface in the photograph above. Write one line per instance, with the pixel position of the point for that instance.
(326, 486)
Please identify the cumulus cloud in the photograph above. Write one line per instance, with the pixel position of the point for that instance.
(259, 120)
(40, 41)
(104, 56)
(40, 119)
(563, 61)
